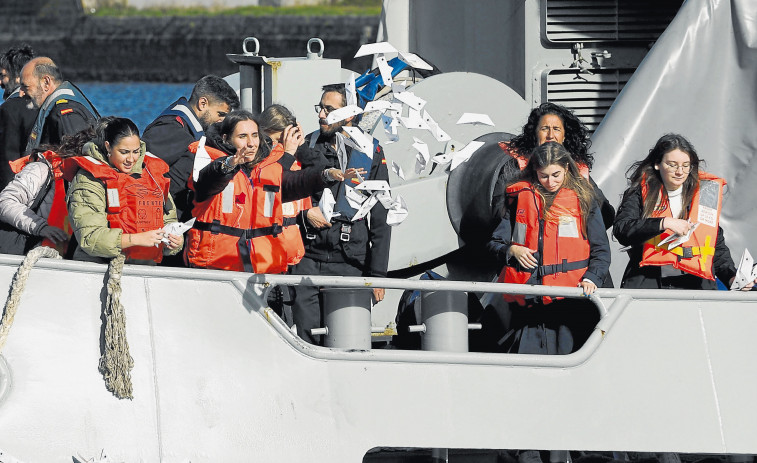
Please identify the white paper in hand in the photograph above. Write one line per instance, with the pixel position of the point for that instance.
(326, 205)
(202, 159)
(177, 228)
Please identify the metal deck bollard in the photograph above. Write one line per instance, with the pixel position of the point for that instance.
(445, 317)
(347, 316)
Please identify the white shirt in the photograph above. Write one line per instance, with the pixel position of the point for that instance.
(675, 199)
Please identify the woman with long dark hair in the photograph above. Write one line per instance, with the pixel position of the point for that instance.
(551, 234)
(670, 195)
(118, 201)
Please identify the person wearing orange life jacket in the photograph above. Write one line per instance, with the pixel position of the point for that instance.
(119, 199)
(33, 203)
(239, 191)
(668, 194)
(274, 120)
(551, 233)
(551, 122)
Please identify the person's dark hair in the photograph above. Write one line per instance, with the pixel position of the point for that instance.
(276, 118)
(553, 153)
(14, 60)
(643, 174)
(226, 130)
(48, 69)
(112, 129)
(338, 88)
(70, 146)
(215, 89)
(576, 141)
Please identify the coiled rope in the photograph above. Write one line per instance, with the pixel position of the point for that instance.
(116, 363)
(18, 285)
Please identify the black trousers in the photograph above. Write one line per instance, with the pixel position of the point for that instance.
(307, 309)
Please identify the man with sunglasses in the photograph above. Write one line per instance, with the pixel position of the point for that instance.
(339, 246)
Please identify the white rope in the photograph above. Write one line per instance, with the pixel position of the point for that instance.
(116, 363)
(17, 288)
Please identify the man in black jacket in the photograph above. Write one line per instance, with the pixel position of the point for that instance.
(63, 108)
(182, 123)
(16, 114)
(340, 246)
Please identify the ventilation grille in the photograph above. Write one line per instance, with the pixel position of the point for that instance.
(608, 20)
(588, 95)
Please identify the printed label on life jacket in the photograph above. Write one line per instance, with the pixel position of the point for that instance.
(270, 197)
(709, 194)
(227, 199)
(568, 227)
(287, 209)
(113, 200)
(519, 234)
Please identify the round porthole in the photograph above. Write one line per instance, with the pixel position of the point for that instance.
(5, 379)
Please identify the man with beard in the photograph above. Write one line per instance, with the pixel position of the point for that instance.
(182, 123)
(17, 115)
(63, 108)
(339, 246)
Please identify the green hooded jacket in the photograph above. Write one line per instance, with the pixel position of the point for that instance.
(87, 211)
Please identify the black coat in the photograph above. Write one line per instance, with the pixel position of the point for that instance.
(368, 244)
(67, 118)
(632, 230)
(168, 137)
(16, 122)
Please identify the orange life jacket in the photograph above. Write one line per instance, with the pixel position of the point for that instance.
(62, 170)
(295, 249)
(562, 249)
(240, 228)
(134, 204)
(695, 256)
(583, 169)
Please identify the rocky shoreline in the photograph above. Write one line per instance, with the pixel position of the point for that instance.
(178, 49)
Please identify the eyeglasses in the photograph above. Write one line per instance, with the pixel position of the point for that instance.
(673, 167)
(326, 109)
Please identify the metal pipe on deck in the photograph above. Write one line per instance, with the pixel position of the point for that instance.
(347, 316)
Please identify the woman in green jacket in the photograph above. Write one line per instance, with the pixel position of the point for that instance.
(118, 201)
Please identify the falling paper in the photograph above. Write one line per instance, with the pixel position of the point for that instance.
(412, 101)
(385, 198)
(390, 127)
(415, 61)
(176, 228)
(202, 159)
(442, 158)
(422, 156)
(434, 128)
(398, 170)
(746, 273)
(365, 207)
(374, 185)
(464, 154)
(326, 205)
(341, 114)
(380, 105)
(375, 48)
(354, 197)
(397, 213)
(413, 120)
(385, 70)
(359, 140)
(473, 118)
(349, 88)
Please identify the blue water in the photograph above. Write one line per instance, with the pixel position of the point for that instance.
(139, 101)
